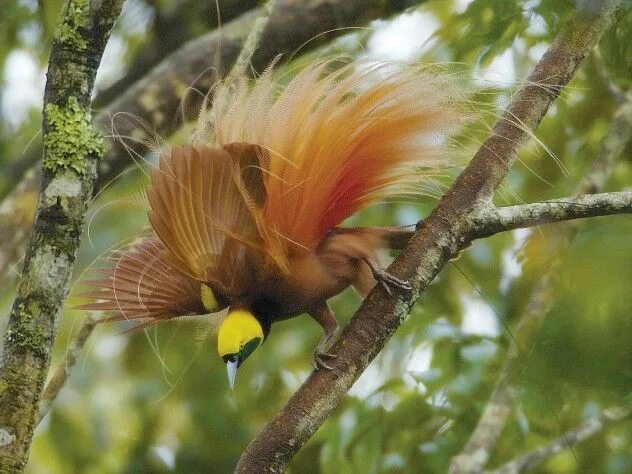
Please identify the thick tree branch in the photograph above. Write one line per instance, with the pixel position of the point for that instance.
(71, 151)
(438, 239)
(492, 220)
(587, 429)
(188, 74)
(478, 449)
(173, 25)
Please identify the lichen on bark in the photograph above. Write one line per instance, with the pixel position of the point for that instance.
(75, 17)
(70, 137)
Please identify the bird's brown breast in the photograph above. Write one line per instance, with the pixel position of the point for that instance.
(313, 280)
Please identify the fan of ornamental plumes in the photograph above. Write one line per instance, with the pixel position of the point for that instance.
(246, 215)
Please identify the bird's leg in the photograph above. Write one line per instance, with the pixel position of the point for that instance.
(386, 279)
(324, 316)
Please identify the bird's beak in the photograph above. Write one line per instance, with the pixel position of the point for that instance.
(231, 368)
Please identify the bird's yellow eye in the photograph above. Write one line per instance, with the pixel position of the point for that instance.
(208, 298)
(239, 335)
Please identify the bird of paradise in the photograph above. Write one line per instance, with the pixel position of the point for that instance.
(247, 214)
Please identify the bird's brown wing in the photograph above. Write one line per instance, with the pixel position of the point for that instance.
(139, 284)
(203, 205)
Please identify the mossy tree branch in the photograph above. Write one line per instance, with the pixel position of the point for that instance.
(71, 151)
(439, 238)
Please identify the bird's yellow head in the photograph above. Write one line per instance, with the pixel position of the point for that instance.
(239, 335)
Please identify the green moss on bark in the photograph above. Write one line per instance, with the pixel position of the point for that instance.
(70, 137)
(76, 18)
(30, 336)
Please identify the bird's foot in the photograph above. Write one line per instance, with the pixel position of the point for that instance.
(320, 353)
(389, 281)
(320, 358)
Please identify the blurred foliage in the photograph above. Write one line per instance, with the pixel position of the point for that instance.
(159, 401)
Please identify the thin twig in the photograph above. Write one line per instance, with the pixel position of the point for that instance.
(62, 372)
(587, 429)
(242, 63)
(614, 90)
(492, 220)
(251, 43)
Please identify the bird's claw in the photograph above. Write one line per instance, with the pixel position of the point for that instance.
(319, 359)
(387, 281)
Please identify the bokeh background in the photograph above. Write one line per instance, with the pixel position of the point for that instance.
(158, 401)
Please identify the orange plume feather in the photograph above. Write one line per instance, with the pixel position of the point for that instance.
(337, 141)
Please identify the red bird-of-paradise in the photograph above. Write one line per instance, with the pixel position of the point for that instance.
(246, 215)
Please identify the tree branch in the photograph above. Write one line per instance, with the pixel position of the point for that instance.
(493, 220)
(173, 25)
(62, 372)
(71, 151)
(478, 448)
(187, 76)
(437, 240)
(16, 218)
(252, 41)
(587, 429)
(611, 147)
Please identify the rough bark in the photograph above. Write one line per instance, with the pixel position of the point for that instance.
(157, 98)
(71, 151)
(440, 236)
(492, 220)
